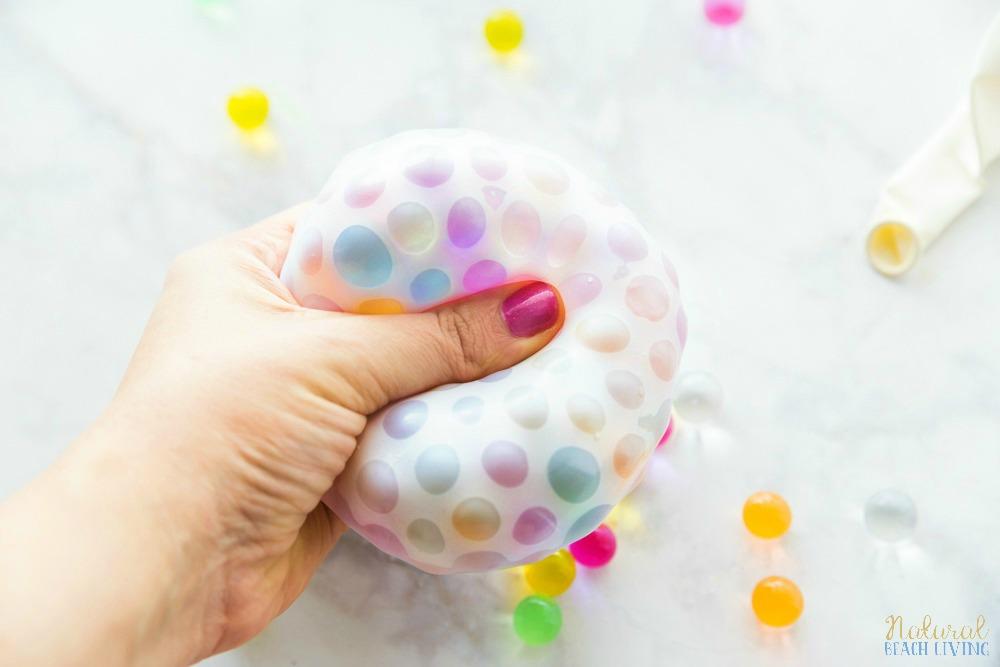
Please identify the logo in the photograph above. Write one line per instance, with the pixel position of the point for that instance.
(933, 639)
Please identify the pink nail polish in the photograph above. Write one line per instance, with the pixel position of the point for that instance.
(530, 310)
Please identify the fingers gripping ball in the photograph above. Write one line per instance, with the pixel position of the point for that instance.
(511, 468)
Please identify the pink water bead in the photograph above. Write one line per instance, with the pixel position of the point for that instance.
(596, 549)
(724, 12)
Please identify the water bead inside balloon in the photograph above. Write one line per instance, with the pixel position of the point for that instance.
(430, 285)
(891, 515)
(520, 228)
(411, 227)
(468, 409)
(629, 455)
(777, 601)
(663, 358)
(603, 333)
(380, 307)
(648, 298)
(429, 167)
(546, 175)
(566, 240)
(476, 519)
(466, 222)
(534, 525)
(361, 257)
(537, 620)
(574, 474)
(483, 274)
(552, 575)
(505, 463)
(377, 486)
(488, 163)
(437, 468)
(626, 388)
(586, 413)
(596, 549)
(527, 406)
(425, 536)
(626, 242)
(404, 419)
(580, 289)
(310, 249)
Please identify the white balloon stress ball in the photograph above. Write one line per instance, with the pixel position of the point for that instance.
(507, 469)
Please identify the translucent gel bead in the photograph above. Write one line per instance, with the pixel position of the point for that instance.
(666, 434)
(890, 515)
(767, 515)
(504, 30)
(698, 396)
(552, 575)
(596, 549)
(724, 12)
(537, 620)
(247, 108)
(777, 601)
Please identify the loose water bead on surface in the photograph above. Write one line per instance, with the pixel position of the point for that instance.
(777, 601)
(724, 12)
(767, 515)
(248, 108)
(596, 549)
(537, 620)
(698, 396)
(552, 575)
(504, 30)
(890, 515)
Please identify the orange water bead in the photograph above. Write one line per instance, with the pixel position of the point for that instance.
(777, 601)
(767, 514)
(380, 307)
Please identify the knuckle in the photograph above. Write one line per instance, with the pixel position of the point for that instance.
(465, 341)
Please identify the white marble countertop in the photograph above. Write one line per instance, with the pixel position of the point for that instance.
(755, 154)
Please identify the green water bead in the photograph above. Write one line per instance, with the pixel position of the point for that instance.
(537, 620)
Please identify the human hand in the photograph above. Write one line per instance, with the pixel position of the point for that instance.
(195, 498)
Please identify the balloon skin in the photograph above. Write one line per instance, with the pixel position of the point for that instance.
(508, 469)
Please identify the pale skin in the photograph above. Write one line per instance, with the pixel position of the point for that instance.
(188, 515)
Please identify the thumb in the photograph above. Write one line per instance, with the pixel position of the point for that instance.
(401, 355)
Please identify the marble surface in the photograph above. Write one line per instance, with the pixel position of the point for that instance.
(754, 154)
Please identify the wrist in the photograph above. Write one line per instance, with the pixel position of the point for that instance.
(128, 565)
